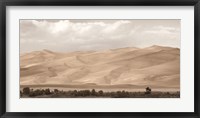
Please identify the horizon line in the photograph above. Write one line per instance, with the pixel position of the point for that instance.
(97, 50)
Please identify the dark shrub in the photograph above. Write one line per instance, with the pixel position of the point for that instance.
(32, 94)
(56, 91)
(93, 92)
(21, 93)
(86, 92)
(47, 91)
(148, 90)
(100, 93)
(38, 92)
(26, 91)
(74, 93)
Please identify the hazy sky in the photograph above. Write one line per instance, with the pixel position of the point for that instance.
(82, 35)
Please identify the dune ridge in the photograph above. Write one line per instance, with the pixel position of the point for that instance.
(155, 66)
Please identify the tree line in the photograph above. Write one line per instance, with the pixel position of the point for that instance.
(27, 92)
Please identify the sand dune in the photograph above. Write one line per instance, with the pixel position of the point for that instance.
(153, 66)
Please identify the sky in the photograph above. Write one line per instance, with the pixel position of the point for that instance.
(87, 35)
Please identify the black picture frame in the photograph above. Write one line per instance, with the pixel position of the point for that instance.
(5, 3)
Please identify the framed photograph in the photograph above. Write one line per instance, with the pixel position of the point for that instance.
(94, 58)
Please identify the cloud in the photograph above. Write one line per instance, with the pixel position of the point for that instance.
(163, 30)
(71, 35)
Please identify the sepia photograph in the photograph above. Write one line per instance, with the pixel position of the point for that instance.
(100, 58)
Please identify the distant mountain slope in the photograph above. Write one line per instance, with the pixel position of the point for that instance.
(152, 66)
